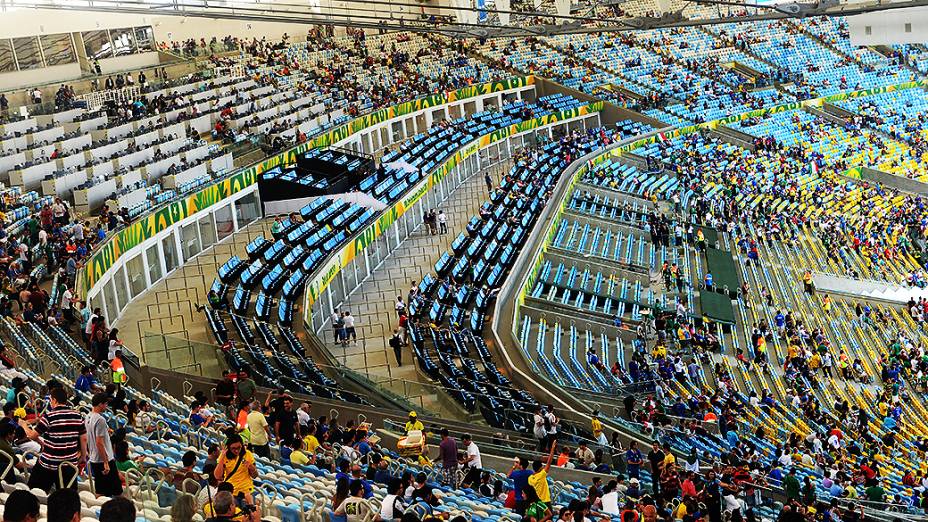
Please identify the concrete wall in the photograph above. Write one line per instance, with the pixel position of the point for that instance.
(29, 22)
(896, 182)
(889, 27)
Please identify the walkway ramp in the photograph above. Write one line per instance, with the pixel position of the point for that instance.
(867, 289)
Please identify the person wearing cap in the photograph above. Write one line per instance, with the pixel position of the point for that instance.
(413, 423)
(64, 437)
(101, 457)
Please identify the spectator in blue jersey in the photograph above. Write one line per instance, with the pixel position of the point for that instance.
(519, 475)
(633, 460)
(86, 382)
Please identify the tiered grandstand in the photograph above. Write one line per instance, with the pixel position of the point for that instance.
(656, 260)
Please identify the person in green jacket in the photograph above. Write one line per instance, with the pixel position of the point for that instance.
(791, 486)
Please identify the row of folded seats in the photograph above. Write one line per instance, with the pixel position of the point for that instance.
(464, 284)
(282, 265)
(289, 368)
(603, 296)
(404, 167)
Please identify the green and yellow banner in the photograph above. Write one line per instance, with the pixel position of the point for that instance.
(150, 225)
(366, 237)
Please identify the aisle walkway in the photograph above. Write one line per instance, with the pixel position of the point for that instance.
(372, 303)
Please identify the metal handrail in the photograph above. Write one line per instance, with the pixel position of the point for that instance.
(11, 461)
(77, 472)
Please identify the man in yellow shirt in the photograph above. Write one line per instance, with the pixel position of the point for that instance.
(236, 465)
(413, 424)
(539, 480)
(669, 458)
(597, 426)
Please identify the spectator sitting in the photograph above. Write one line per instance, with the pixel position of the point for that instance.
(21, 506)
(199, 416)
(86, 382)
(188, 461)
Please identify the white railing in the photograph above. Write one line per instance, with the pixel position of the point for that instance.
(97, 99)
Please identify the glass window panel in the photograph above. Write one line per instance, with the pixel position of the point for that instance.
(97, 44)
(190, 241)
(207, 231)
(57, 49)
(7, 63)
(109, 296)
(169, 246)
(96, 302)
(224, 225)
(123, 41)
(122, 293)
(136, 273)
(27, 53)
(144, 39)
(154, 264)
(247, 209)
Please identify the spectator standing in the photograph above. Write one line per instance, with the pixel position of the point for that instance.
(539, 479)
(350, 332)
(286, 425)
(225, 390)
(246, 387)
(64, 438)
(656, 459)
(473, 464)
(519, 475)
(633, 460)
(260, 431)
(448, 456)
(100, 450)
(539, 430)
(442, 222)
(396, 343)
(236, 466)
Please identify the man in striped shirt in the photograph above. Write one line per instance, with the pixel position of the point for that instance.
(64, 439)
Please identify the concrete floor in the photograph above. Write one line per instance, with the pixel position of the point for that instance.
(164, 323)
(372, 304)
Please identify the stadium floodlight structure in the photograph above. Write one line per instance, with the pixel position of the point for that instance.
(461, 18)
